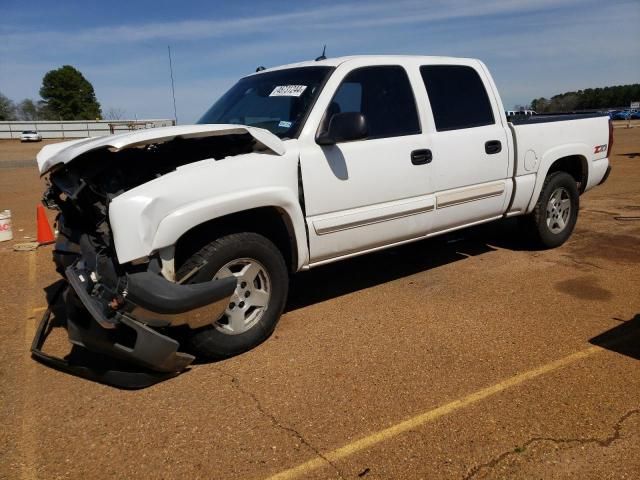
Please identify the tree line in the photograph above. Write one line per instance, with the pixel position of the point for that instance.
(65, 95)
(618, 96)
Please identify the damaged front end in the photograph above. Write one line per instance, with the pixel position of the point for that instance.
(128, 311)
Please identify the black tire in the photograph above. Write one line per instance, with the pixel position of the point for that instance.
(211, 343)
(538, 221)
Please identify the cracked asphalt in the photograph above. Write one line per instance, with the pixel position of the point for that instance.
(508, 463)
(469, 356)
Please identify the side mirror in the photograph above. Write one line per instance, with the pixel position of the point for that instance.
(344, 127)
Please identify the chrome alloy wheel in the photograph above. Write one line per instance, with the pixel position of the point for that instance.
(250, 299)
(558, 210)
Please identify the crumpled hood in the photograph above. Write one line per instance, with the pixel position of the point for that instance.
(65, 152)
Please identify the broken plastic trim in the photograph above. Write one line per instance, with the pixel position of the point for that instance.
(150, 348)
(155, 293)
(113, 377)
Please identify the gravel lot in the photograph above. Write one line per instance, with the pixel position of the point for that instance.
(465, 356)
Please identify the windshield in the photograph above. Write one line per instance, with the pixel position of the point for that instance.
(277, 101)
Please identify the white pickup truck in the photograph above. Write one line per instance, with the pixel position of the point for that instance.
(183, 238)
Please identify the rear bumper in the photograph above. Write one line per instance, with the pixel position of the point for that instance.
(126, 332)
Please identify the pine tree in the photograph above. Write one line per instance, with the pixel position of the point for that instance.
(68, 95)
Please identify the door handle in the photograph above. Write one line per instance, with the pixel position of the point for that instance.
(493, 146)
(421, 157)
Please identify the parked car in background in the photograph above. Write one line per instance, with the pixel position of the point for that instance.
(620, 115)
(635, 115)
(30, 136)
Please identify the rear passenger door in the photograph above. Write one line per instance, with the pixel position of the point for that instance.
(470, 147)
(372, 192)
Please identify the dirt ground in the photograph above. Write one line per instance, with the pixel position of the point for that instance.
(466, 356)
(626, 123)
(15, 150)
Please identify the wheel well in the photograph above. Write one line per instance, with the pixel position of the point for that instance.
(576, 166)
(271, 222)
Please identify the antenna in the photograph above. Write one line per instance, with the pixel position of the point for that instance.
(173, 90)
(323, 56)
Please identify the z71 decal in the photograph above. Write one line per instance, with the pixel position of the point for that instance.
(600, 148)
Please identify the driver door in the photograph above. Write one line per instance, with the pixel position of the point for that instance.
(367, 193)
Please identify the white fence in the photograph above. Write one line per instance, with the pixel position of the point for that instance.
(80, 128)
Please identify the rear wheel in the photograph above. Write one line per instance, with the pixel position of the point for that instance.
(556, 212)
(257, 303)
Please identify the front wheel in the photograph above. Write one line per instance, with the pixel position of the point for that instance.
(556, 212)
(257, 303)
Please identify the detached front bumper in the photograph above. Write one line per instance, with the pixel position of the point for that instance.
(124, 325)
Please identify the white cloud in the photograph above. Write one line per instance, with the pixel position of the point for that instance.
(336, 17)
(534, 47)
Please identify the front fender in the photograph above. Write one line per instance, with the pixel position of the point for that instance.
(180, 221)
(156, 214)
(570, 150)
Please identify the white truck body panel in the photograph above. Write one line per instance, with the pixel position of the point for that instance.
(356, 181)
(357, 196)
(155, 214)
(541, 144)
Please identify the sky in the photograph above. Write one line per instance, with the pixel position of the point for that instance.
(533, 48)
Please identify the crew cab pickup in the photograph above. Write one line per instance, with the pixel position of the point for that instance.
(178, 242)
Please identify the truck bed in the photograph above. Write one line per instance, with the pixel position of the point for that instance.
(542, 139)
(553, 117)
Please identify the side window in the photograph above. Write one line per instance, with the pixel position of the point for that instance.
(383, 95)
(348, 98)
(457, 96)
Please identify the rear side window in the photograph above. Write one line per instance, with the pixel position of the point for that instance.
(383, 95)
(457, 96)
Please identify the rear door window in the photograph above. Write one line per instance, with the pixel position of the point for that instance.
(457, 96)
(383, 95)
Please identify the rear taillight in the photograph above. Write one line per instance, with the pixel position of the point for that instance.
(610, 138)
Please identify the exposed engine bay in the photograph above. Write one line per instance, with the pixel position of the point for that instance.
(82, 190)
(127, 310)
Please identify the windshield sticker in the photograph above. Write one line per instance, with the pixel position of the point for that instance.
(288, 91)
(285, 124)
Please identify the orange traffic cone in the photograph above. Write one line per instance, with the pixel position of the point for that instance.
(45, 234)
